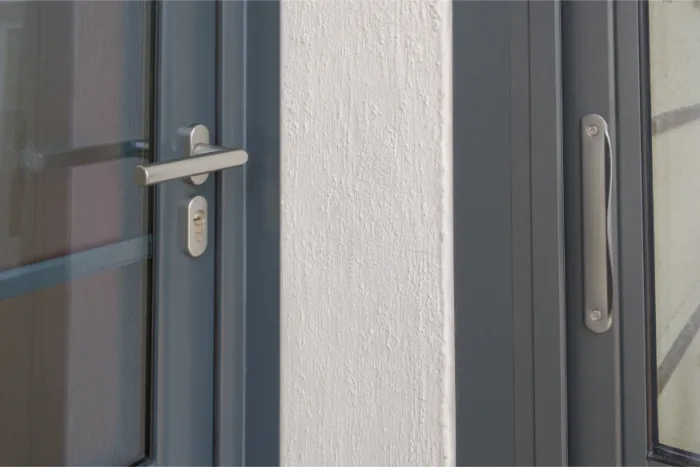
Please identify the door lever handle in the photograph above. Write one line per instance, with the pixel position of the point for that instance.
(598, 186)
(199, 158)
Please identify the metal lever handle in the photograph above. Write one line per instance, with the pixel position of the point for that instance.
(199, 158)
(598, 185)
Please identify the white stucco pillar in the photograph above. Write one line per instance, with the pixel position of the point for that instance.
(366, 255)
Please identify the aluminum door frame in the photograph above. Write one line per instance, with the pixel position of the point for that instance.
(603, 56)
(248, 280)
(184, 287)
(254, 50)
(231, 269)
(509, 237)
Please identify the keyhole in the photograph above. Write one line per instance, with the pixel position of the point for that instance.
(199, 220)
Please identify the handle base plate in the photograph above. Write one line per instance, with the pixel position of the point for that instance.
(190, 138)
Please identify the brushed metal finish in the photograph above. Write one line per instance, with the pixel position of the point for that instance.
(190, 138)
(199, 158)
(197, 226)
(598, 181)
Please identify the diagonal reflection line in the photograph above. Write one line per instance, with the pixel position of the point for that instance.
(674, 118)
(677, 352)
(33, 277)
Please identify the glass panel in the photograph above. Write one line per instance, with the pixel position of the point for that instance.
(674, 47)
(75, 118)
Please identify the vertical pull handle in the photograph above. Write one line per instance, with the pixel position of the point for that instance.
(598, 185)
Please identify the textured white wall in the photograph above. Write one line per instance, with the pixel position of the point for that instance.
(367, 282)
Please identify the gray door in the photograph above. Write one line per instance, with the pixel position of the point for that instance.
(107, 325)
(633, 388)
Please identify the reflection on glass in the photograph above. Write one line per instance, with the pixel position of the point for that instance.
(674, 41)
(75, 119)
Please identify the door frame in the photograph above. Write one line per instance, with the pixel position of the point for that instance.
(184, 288)
(634, 245)
(262, 132)
(509, 234)
(588, 74)
(239, 85)
(571, 396)
(231, 268)
(609, 393)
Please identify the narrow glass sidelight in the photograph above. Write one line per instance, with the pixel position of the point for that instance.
(598, 181)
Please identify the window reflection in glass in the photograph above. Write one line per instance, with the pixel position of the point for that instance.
(674, 47)
(75, 93)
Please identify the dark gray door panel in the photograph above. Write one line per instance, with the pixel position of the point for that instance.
(185, 298)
